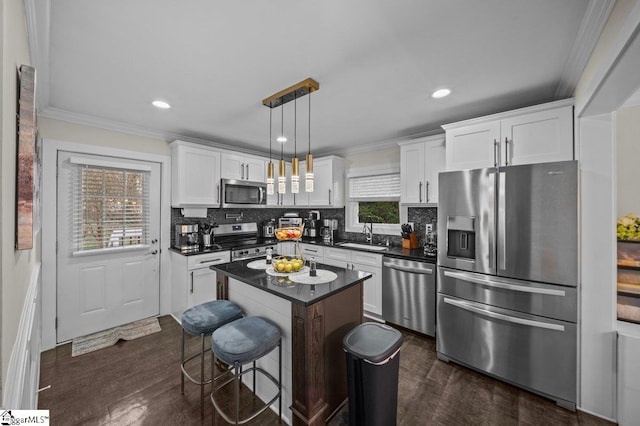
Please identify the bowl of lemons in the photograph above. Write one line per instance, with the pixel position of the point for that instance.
(285, 265)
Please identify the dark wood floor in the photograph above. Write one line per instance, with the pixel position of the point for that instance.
(138, 383)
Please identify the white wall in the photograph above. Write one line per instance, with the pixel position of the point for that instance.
(628, 160)
(71, 132)
(378, 157)
(16, 266)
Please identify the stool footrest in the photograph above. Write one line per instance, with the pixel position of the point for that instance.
(239, 377)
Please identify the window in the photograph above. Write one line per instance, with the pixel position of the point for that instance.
(110, 207)
(374, 195)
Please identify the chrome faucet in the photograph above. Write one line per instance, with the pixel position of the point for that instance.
(368, 229)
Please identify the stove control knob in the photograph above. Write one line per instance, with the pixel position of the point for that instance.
(257, 250)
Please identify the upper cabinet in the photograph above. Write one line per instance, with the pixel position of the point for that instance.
(328, 183)
(242, 167)
(420, 162)
(537, 134)
(195, 171)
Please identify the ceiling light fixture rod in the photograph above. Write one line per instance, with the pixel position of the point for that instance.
(291, 93)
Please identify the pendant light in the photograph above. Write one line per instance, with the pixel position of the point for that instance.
(295, 163)
(270, 180)
(292, 93)
(308, 177)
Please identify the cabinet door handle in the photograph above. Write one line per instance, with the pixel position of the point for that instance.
(330, 200)
(191, 288)
(427, 190)
(506, 151)
(420, 191)
(242, 171)
(496, 146)
(218, 191)
(247, 173)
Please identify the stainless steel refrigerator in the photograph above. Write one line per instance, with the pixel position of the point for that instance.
(508, 274)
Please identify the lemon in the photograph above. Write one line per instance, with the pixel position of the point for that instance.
(288, 267)
(280, 267)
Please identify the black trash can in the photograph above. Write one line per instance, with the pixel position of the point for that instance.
(373, 359)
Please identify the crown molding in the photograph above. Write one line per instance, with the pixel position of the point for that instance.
(131, 129)
(390, 143)
(593, 23)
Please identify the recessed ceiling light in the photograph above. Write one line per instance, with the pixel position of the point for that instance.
(161, 104)
(440, 93)
(281, 139)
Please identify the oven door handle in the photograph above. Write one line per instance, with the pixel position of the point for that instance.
(508, 318)
(408, 269)
(504, 286)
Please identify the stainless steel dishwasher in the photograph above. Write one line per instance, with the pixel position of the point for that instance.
(409, 294)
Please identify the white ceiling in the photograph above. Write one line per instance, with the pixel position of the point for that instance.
(377, 62)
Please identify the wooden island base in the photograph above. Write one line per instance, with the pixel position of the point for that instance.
(319, 368)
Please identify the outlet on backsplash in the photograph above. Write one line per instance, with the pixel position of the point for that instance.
(429, 227)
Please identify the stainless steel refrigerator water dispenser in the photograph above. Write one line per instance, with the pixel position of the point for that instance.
(461, 237)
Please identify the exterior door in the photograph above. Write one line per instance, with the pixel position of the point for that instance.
(108, 225)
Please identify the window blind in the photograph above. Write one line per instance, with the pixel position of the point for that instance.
(110, 207)
(385, 186)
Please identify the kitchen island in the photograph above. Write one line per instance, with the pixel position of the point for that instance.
(313, 320)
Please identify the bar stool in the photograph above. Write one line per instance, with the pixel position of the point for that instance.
(203, 320)
(242, 342)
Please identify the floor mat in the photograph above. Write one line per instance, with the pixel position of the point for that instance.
(106, 338)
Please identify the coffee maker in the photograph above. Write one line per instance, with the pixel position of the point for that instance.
(268, 228)
(330, 226)
(186, 238)
(312, 225)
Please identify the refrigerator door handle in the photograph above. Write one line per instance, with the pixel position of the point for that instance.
(502, 221)
(531, 323)
(505, 286)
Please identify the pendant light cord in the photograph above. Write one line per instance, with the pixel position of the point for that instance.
(270, 132)
(282, 132)
(295, 125)
(309, 122)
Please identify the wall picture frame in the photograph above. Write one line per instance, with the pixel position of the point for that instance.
(25, 161)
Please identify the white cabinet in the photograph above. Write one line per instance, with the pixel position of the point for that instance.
(195, 175)
(420, 163)
(192, 282)
(242, 167)
(313, 250)
(286, 248)
(537, 134)
(328, 183)
(361, 261)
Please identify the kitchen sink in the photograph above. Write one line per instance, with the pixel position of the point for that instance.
(363, 246)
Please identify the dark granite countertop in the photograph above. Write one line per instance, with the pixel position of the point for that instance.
(393, 251)
(281, 286)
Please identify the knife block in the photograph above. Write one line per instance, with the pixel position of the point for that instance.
(411, 242)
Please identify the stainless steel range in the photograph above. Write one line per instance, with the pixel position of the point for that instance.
(243, 241)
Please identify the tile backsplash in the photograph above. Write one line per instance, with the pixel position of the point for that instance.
(420, 216)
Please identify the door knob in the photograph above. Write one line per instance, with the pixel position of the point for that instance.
(154, 251)
(154, 241)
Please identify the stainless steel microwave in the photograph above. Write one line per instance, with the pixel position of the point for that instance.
(243, 193)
